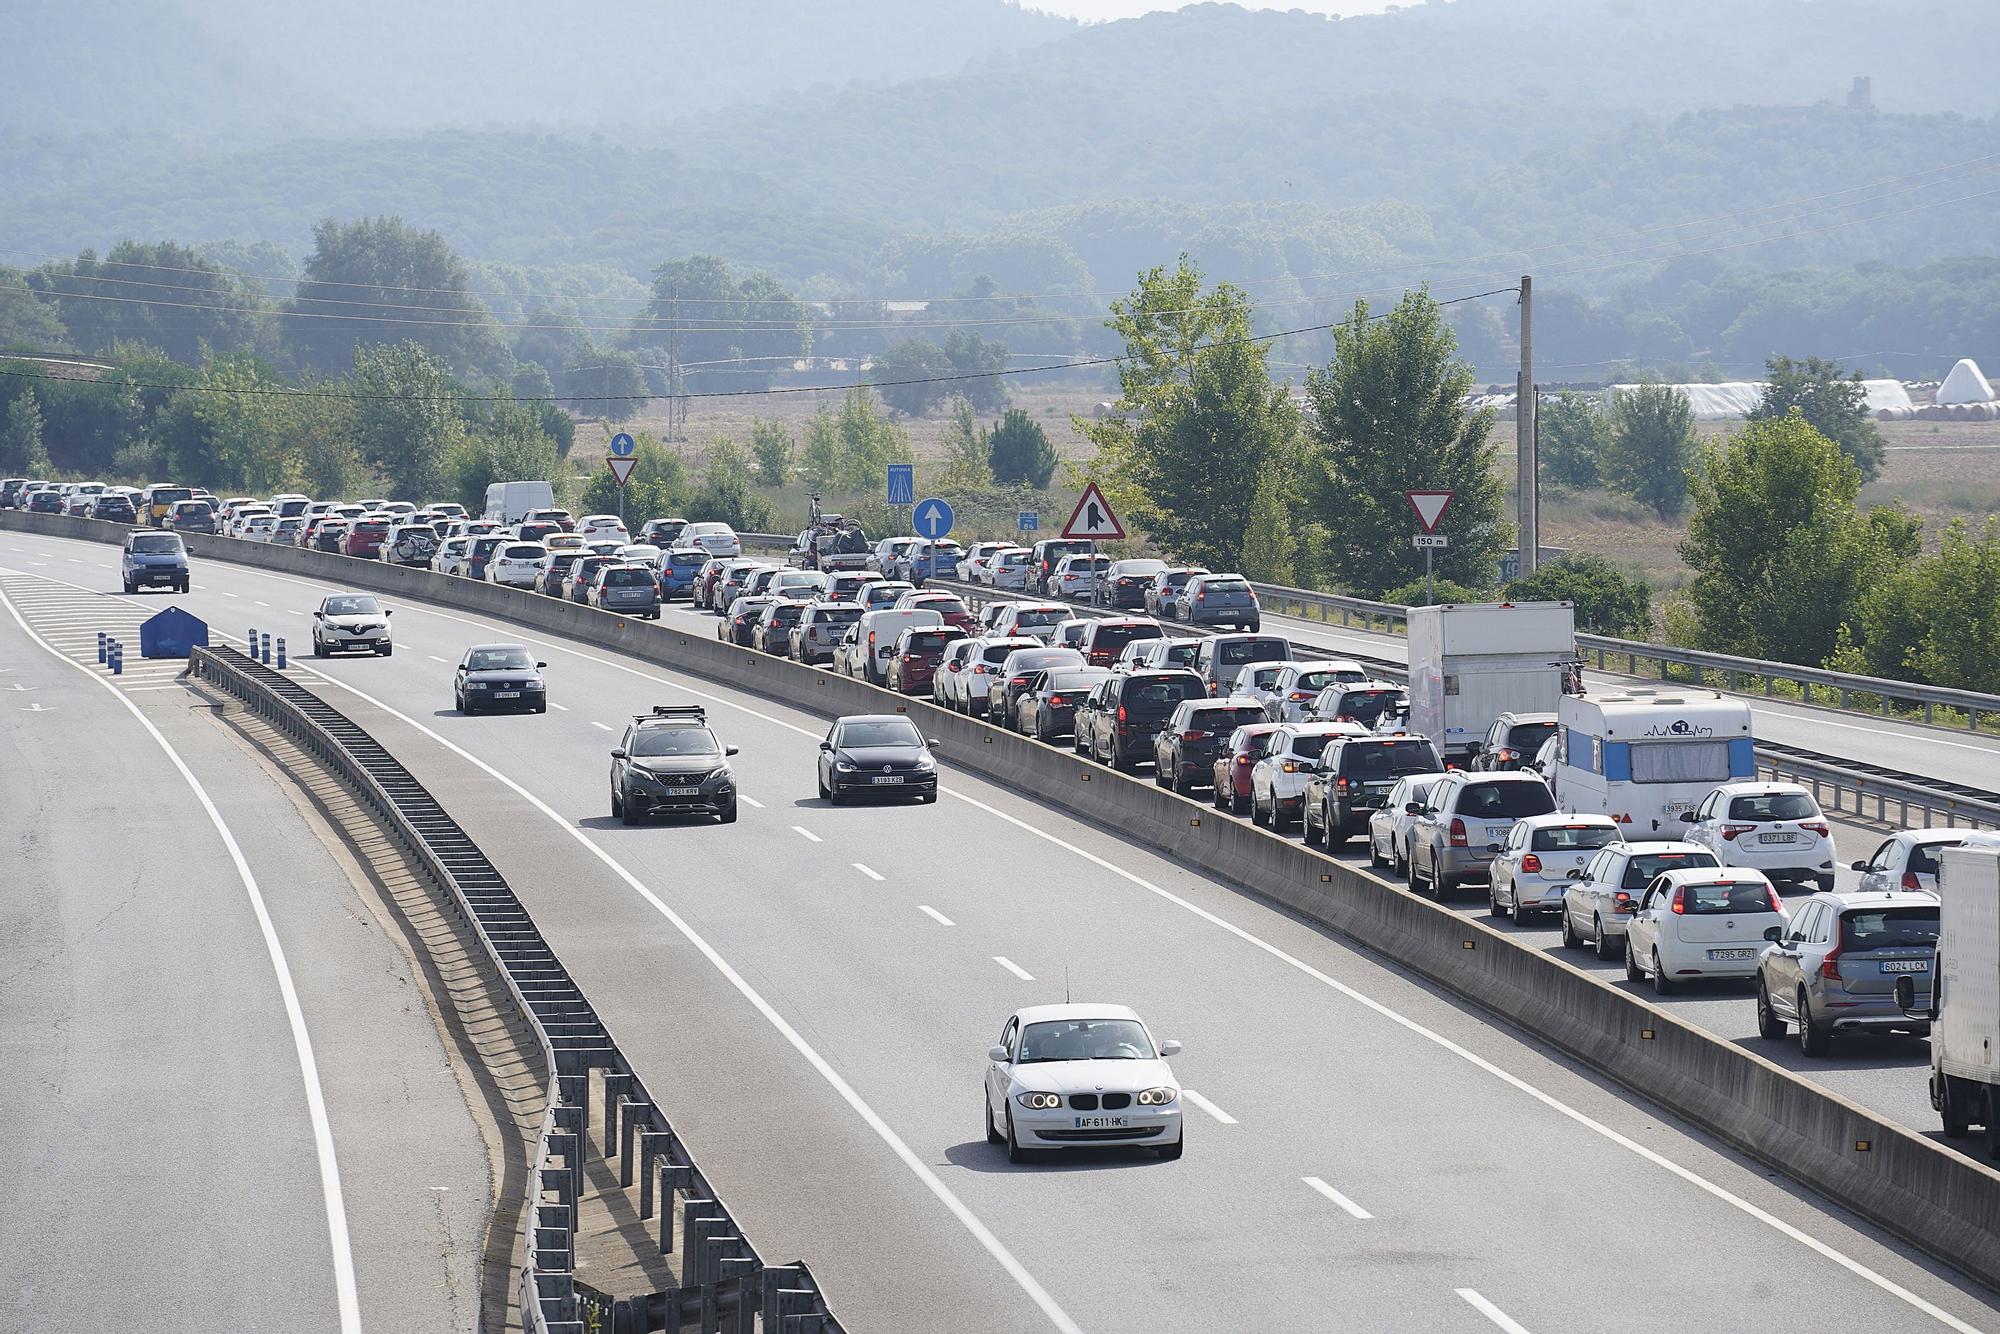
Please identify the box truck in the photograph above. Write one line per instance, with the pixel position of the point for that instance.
(511, 502)
(1644, 756)
(1963, 1000)
(1470, 664)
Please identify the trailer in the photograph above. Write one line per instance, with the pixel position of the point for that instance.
(1470, 664)
(1643, 757)
(1963, 1003)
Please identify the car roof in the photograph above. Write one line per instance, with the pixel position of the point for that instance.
(1851, 899)
(1933, 835)
(1714, 875)
(874, 718)
(1526, 717)
(1321, 664)
(1651, 846)
(1558, 818)
(1035, 1014)
(476, 648)
(1760, 789)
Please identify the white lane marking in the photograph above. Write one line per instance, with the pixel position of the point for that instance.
(133, 690)
(871, 874)
(935, 915)
(1013, 968)
(984, 1235)
(560, 708)
(1224, 1117)
(229, 595)
(1491, 1312)
(806, 834)
(1349, 1205)
(264, 604)
(72, 560)
(346, 1297)
(1555, 1104)
(751, 802)
(599, 726)
(433, 657)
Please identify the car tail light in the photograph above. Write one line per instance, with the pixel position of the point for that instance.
(1193, 736)
(1058, 702)
(1680, 901)
(1829, 967)
(1301, 696)
(1124, 583)
(1458, 839)
(1910, 880)
(1816, 827)
(1730, 831)
(1201, 596)
(1342, 784)
(1292, 766)
(1777, 905)
(1505, 756)
(1121, 713)
(1531, 864)
(1344, 718)
(1621, 902)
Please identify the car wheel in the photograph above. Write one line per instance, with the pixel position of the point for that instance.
(542, 706)
(1015, 1153)
(319, 649)
(929, 798)
(1992, 1123)
(1814, 1038)
(1605, 949)
(1825, 884)
(1310, 834)
(1768, 1023)
(728, 815)
(1957, 1123)
(1169, 1152)
(1633, 973)
(1493, 908)
(1662, 984)
(626, 815)
(1256, 811)
(820, 783)
(1399, 861)
(1571, 940)
(1519, 914)
(617, 805)
(834, 795)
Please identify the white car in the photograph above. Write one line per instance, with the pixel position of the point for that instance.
(1908, 860)
(1075, 577)
(1532, 868)
(1081, 1076)
(592, 526)
(258, 527)
(1389, 825)
(982, 667)
(1039, 619)
(450, 556)
(346, 622)
(240, 520)
(717, 539)
(1361, 702)
(516, 564)
(1278, 781)
(1010, 568)
(972, 569)
(1600, 899)
(640, 553)
(1297, 684)
(1701, 924)
(948, 681)
(1777, 828)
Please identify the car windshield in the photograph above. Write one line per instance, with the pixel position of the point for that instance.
(586, 567)
(1224, 586)
(1364, 706)
(1741, 896)
(1236, 652)
(353, 606)
(1368, 760)
(499, 660)
(1163, 692)
(928, 641)
(1226, 719)
(157, 544)
(1639, 872)
(888, 732)
(627, 579)
(1889, 928)
(674, 741)
(1061, 681)
(1085, 1040)
(785, 613)
(1181, 653)
(1111, 638)
(1036, 618)
(1318, 681)
(1573, 838)
(1527, 738)
(1774, 806)
(484, 546)
(1504, 801)
(1924, 857)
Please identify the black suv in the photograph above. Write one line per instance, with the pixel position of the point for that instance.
(669, 763)
(114, 507)
(1184, 750)
(1353, 777)
(1117, 721)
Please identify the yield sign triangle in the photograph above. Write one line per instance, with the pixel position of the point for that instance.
(1093, 517)
(1430, 506)
(621, 468)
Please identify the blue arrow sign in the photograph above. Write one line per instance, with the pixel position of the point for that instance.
(622, 445)
(902, 483)
(931, 518)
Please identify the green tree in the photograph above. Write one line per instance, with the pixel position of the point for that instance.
(164, 296)
(658, 488)
(531, 380)
(1607, 601)
(1269, 547)
(719, 318)
(1441, 591)
(1650, 446)
(771, 445)
(28, 320)
(819, 461)
(911, 376)
(1935, 619)
(246, 422)
(1835, 405)
(1387, 417)
(1019, 451)
(1780, 554)
(404, 417)
(868, 443)
(726, 495)
(986, 358)
(1571, 440)
(605, 382)
(379, 281)
(968, 449)
(22, 453)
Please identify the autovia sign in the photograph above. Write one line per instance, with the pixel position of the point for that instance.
(1680, 729)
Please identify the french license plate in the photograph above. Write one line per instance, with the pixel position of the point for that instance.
(1906, 965)
(1103, 1122)
(1724, 956)
(683, 791)
(506, 694)
(887, 778)
(1779, 838)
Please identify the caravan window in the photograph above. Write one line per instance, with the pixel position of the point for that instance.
(1681, 762)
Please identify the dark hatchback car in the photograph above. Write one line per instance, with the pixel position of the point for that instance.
(45, 502)
(669, 763)
(480, 554)
(114, 507)
(1104, 640)
(773, 632)
(1354, 776)
(1118, 720)
(365, 539)
(880, 754)
(740, 625)
(554, 578)
(1184, 750)
(1124, 584)
(498, 677)
(191, 516)
(328, 535)
(582, 574)
(1048, 710)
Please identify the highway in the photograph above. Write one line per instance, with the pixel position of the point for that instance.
(228, 1108)
(812, 991)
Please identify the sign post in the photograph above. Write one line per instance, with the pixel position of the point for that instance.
(932, 518)
(621, 461)
(1430, 507)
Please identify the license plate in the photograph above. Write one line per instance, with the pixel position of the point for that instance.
(1906, 965)
(1103, 1122)
(888, 778)
(1778, 838)
(683, 791)
(506, 694)
(1721, 956)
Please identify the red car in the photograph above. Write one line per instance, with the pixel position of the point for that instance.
(364, 538)
(951, 607)
(1246, 746)
(917, 654)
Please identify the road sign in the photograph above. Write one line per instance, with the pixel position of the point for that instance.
(902, 484)
(621, 468)
(1430, 541)
(1030, 520)
(623, 446)
(1093, 517)
(1430, 506)
(931, 518)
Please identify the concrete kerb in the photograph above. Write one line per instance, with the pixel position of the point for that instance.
(1941, 1201)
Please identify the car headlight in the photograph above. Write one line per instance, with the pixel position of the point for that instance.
(1040, 1102)
(845, 766)
(1158, 1097)
(475, 685)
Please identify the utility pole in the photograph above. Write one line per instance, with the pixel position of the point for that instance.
(1528, 509)
(676, 406)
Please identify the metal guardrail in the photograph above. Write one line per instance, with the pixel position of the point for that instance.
(724, 1284)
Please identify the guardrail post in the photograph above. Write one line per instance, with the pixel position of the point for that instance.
(631, 1113)
(101, 638)
(117, 658)
(281, 653)
(674, 1178)
(615, 1088)
(265, 657)
(652, 1143)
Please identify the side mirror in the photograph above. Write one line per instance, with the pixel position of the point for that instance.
(319, 613)
(1413, 808)
(1170, 1047)
(997, 1054)
(731, 750)
(931, 742)
(1687, 817)
(540, 665)
(1576, 873)
(1859, 866)
(826, 745)
(388, 611)
(1774, 934)
(618, 753)
(1476, 749)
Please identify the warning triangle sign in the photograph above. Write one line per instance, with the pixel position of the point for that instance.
(1430, 506)
(1093, 517)
(621, 468)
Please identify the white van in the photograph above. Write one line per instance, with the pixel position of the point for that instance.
(510, 502)
(877, 631)
(1644, 756)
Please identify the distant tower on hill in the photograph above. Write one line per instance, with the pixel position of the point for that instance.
(1861, 97)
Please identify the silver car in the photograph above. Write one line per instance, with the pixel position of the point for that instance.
(1389, 825)
(628, 587)
(1833, 969)
(1458, 830)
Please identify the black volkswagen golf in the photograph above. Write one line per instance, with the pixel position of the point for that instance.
(877, 754)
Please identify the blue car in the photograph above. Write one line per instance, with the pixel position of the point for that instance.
(153, 559)
(677, 573)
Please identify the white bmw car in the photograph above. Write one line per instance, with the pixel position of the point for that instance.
(1081, 1076)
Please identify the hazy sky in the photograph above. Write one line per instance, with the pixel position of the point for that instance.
(1119, 9)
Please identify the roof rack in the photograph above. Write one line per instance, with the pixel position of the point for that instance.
(693, 714)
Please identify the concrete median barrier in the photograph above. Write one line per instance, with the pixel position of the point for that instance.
(1941, 1201)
